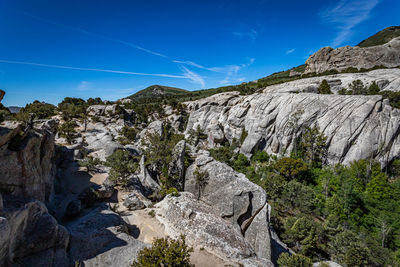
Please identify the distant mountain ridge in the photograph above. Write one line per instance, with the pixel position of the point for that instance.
(158, 91)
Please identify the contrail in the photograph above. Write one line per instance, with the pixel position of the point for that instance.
(93, 69)
(97, 35)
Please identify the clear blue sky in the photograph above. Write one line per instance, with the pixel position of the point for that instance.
(50, 49)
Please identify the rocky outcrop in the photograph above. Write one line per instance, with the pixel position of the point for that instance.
(203, 227)
(26, 160)
(30, 236)
(386, 79)
(102, 238)
(176, 167)
(357, 127)
(327, 58)
(235, 199)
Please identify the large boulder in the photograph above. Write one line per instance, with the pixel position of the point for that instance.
(327, 58)
(203, 227)
(27, 160)
(101, 238)
(30, 236)
(235, 199)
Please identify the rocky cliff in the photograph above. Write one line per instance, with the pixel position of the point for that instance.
(29, 235)
(327, 58)
(357, 127)
(26, 160)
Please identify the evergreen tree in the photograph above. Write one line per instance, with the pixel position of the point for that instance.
(324, 88)
(373, 89)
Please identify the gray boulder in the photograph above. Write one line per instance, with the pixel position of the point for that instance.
(203, 227)
(235, 199)
(28, 232)
(132, 202)
(26, 160)
(101, 238)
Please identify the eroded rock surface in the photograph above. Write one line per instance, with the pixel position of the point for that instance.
(235, 199)
(26, 160)
(102, 238)
(327, 58)
(30, 236)
(357, 127)
(205, 228)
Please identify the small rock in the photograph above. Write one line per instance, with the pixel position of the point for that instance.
(132, 202)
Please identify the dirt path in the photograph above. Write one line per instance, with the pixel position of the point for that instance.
(146, 228)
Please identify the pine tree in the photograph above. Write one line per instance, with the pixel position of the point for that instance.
(324, 88)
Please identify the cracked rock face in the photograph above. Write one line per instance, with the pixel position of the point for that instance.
(235, 199)
(30, 236)
(203, 227)
(26, 160)
(327, 58)
(356, 126)
(101, 238)
(386, 79)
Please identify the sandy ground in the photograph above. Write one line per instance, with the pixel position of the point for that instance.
(74, 181)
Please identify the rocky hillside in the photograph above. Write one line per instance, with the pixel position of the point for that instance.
(382, 37)
(342, 58)
(155, 91)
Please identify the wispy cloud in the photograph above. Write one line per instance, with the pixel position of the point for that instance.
(345, 15)
(290, 51)
(93, 69)
(231, 75)
(194, 77)
(84, 86)
(228, 70)
(251, 34)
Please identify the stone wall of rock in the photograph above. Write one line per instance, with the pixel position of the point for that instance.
(341, 58)
(357, 127)
(30, 236)
(235, 199)
(27, 160)
(386, 79)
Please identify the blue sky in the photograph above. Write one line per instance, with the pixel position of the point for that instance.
(111, 49)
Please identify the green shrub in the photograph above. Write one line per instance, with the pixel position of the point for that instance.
(122, 164)
(357, 88)
(291, 168)
(260, 156)
(373, 89)
(170, 191)
(67, 130)
(286, 260)
(152, 213)
(90, 163)
(165, 252)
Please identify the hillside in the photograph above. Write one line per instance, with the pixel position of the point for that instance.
(158, 91)
(381, 37)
